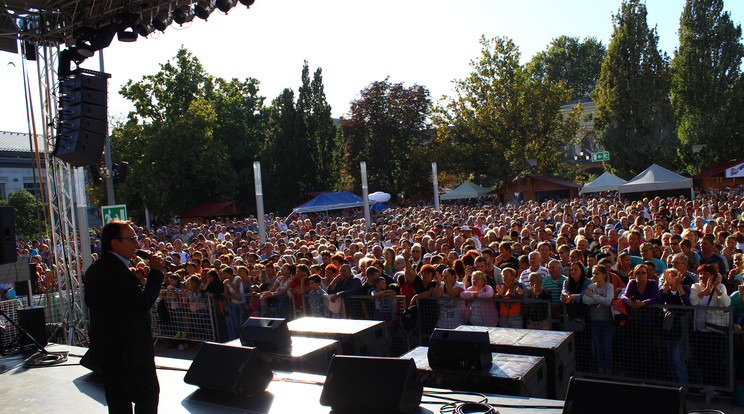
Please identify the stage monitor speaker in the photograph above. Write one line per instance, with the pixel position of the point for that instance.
(266, 334)
(231, 369)
(352, 383)
(31, 319)
(588, 396)
(450, 349)
(8, 252)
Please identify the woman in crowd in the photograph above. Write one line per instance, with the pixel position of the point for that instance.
(598, 296)
(675, 322)
(641, 292)
(709, 344)
(510, 313)
(481, 313)
(538, 314)
(737, 271)
(452, 311)
(624, 267)
(276, 298)
(577, 312)
(572, 296)
(389, 255)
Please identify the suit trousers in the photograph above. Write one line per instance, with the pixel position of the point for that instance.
(127, 385)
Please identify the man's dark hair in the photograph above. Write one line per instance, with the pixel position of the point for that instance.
(303, 268)
(111, 231)
(372, 271)
(314, 278)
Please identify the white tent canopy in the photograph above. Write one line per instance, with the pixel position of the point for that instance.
(465, 190)
(379, 197)
(605, 182)
(656, 178)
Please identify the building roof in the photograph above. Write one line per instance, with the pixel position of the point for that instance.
(207, 209)
(554, 180)
(720, 168)
(583, 99)
(18, 142)
(540, 177)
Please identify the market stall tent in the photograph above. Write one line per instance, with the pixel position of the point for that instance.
(657, 180)
(330, 201)
(465, 190)
(605, 182)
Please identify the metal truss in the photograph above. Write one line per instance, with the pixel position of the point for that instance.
(60, 189)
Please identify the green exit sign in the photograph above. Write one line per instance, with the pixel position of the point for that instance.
(601, 156)
(116, 212)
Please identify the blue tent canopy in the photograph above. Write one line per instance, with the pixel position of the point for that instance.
(379, 207)
(330, 201)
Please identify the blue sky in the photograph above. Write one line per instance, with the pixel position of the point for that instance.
(413, 41)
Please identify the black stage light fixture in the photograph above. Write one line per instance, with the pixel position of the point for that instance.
(161, 21)
(103, 36)
(84, 47)
(126, 34)
(247, 3)
(144, 29)
(183, 14)
(225, 5)
(204, 8)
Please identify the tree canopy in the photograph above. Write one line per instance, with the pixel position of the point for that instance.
(387, 128)
(706, 84)
(574, 62)
(634, 120)
(501, 116)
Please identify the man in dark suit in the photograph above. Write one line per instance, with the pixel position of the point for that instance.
(121, 341)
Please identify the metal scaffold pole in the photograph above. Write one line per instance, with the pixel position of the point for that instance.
(60, 185)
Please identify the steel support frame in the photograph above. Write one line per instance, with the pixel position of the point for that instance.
(60, 185)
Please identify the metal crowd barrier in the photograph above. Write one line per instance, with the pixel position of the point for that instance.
(664, 344)
(449, 313)
(9, 335)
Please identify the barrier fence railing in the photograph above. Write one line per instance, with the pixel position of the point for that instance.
(666, 344)
(695, 346)
(9, 335)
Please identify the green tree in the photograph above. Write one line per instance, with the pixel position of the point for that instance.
(240, 127)
(387, 128)
(569, 60)
(175, 161)
(634, 120)
(501, 116)
(286, 155)
(325, 147)
(705, 74)
(29, 217)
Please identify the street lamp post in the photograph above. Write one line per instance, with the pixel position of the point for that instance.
(581, 158)
(696, 150)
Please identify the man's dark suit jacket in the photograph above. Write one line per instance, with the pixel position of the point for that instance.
(120, 331)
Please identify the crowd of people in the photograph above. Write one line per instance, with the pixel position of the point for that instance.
(617, 272)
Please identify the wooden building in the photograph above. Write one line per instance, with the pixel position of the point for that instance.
(537, 187)
(727, 174)
(212, 210)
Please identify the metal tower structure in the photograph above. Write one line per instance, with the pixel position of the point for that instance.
(62, 181)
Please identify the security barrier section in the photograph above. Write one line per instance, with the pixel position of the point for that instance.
(695, 346)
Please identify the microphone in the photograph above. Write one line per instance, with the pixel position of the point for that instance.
(143, 254)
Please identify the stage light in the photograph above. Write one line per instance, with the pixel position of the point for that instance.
(247, 3)
(225, 5)
(84, 47)
(162, 20)
(127, 34)
(204, 8)
(183, 14)
(144, 29)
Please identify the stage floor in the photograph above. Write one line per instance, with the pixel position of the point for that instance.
(71, 388)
